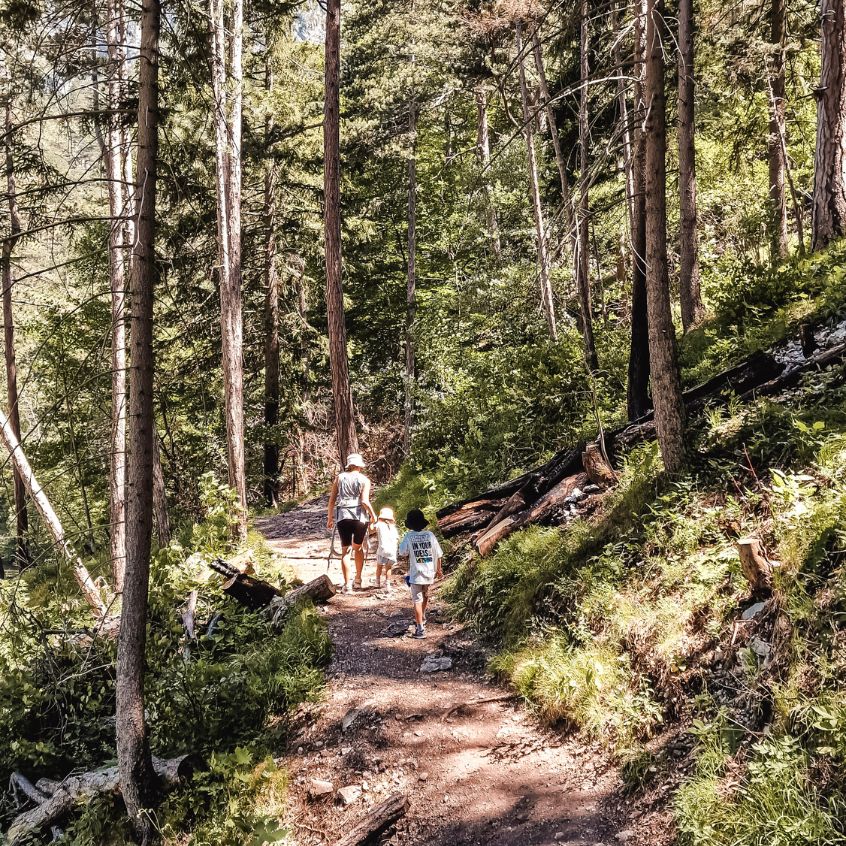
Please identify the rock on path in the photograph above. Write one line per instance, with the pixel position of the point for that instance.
(481, 773)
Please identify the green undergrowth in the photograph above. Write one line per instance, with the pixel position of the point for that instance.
(620, 626)
(227, 696)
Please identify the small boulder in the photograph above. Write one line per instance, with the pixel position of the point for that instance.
(349, 718)
(349, 794)
(760, 647)
(436, 664)
(753, 611)
(319, 789)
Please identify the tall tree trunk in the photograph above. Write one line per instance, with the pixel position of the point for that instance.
(228, 96)
(137, 777)
(271, 314)
(829, 217)
(483, 151)
(689, 286)
(341, 389)
(560, 163)
(547, 303)
(21, 518)
(117, 285)
(666, 385)
(582, 258)
(778, 203)
(637, 397)
(51, 520)
(411, 278)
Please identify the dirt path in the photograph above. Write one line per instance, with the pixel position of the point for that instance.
(475, 772)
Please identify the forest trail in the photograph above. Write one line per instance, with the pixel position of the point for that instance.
(483, 773)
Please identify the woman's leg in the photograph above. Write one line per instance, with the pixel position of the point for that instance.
(345, 553)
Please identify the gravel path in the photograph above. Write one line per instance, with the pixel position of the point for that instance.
(475, 771)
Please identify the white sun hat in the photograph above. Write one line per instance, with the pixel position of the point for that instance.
(354, 459)
(386, 514)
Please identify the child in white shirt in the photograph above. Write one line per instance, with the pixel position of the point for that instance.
(386, 552)
(424, 555)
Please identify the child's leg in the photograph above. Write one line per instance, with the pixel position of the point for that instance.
(378, 574)
(417, 599)
(388, 566)
(425, 603)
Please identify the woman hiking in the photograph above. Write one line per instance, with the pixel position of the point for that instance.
(349, 512)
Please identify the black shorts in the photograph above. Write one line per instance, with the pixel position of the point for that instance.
(351, 531)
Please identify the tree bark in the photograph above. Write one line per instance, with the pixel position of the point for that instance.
(135, 765)
(829, 209)
(271, 315)
(483, 151)
(376, 821)
(560, 163)
(228, 95)
(51, 520)
(547, 303)
(689, 285)
(582, 257)
(637, 395)
(347, 438)
(21, 517)
(117, 285)
(666, 384)
(411, 280)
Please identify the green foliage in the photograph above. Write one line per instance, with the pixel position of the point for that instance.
(226, 695)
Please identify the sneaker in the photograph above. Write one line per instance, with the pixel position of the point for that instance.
(419, 633)
(346, 589)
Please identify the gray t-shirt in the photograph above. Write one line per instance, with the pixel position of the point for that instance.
(348, 499)
(423, 551)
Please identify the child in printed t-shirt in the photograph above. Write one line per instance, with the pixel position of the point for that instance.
(424, 565)
(386, 551)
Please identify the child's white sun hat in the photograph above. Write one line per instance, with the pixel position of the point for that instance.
(386, 514)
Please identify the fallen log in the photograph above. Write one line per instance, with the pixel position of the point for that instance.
(320, 589)
(42, 504)
(760, 374)
(79, 789)
(19, 785)
(377, 821)
(548, 502)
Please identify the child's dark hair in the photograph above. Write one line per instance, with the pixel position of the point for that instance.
(416, 520)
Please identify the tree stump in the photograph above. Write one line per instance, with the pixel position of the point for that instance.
(756, 567)
(599, 471)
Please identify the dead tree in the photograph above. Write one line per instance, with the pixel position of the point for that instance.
(346, 434)
(21, 517)
(829, 199)
(271, 314)
(689, 285)
(547, 302)
(227, 84)
(135, 764)
(664, 368)
(19, 461)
